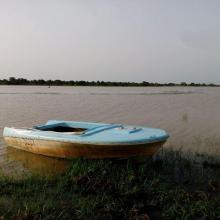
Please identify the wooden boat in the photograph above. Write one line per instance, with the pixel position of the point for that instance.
(69, 139)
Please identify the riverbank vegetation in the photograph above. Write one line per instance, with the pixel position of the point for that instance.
(170, 188)
(42, 82)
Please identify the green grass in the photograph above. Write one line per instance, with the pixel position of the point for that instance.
(170, 188)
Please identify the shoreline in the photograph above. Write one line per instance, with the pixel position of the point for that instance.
(101, 86)
(57, 82)
(170, 188)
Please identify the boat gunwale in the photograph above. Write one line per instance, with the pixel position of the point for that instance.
(130, 143)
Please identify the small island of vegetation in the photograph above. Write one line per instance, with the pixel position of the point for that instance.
(42, 82)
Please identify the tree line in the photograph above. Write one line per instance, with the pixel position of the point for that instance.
(42, 82)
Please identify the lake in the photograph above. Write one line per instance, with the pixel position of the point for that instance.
(191, 115)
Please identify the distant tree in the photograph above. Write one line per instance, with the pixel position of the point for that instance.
(12, 80)
(183, 84)
(41, 82)
(144, 83)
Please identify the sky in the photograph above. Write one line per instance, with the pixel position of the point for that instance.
(111, 40)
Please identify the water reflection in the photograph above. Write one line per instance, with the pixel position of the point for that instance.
(36, 164)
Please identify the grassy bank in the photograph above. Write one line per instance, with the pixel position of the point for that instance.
(171, 188)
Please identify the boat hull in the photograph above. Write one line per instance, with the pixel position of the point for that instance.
(71, 150)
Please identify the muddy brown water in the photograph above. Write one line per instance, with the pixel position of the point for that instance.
(190, 115)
